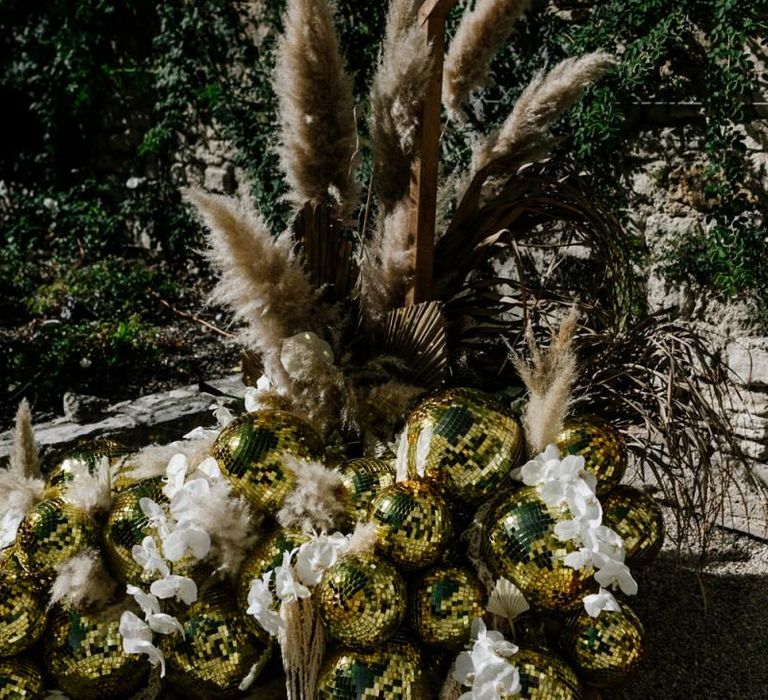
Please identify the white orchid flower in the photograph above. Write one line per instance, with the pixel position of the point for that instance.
(541, 467)
(288, 589)
(210, 467)
(223, 416)
(261, 605)
(175, 475)
(137, 639)
(155, 515)
(186, 498)
(314, 558)
(187, 537)
(159, 622)
(486, 668)
(148, 557)
(601, 601)
(494, 681)
(580, 559)
(178, 587)
(616, 573)
(423, 445)
(606, 542)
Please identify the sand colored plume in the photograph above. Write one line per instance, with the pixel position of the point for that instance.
(318, 137)
(481, 33)
(525, 133)
(24, 458)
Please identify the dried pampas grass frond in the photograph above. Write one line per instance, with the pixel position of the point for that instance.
(302, 646)
(481, 33)
(319, 140)
(152, 460)
(91, 490)
(397, 97)
(387, 269)
(316, 503)
(25, 457)
(363, 539)
(82, 581)
(260, 280)
(525, 133)
(549, 379)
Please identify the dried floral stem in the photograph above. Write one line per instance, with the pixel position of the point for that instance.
(24, 457)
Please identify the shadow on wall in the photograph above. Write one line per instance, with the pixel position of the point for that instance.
(693, 652)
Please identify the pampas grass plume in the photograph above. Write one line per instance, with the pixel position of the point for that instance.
(82, 581)
(481, 33)
(316, 503)
(24, 457)
(319, 140)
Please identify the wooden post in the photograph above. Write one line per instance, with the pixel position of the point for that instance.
(421, 222)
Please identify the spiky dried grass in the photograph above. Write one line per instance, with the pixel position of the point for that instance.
(316, 503)
(25, 456)
(397, 97)
(82, 581)
(479, 36)
(524, 135)
(318, 146)
(260, 280)
(549, 377)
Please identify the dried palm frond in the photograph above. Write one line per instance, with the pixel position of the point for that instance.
(260, 280)
(318, 146)
(481, 33)
(524, 136)
(397, 96)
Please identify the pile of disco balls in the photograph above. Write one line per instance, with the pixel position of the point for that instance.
(395, 618)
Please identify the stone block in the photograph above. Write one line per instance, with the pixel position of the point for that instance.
(748, 361)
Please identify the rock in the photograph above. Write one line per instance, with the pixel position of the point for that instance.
(748, 360)
(81, 408)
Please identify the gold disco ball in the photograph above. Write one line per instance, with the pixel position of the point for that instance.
(601, 445)
(83, 654)
(413, 524)
(638, 519)
(217, 650)
(606, 649)
(23, 607)
(396, 670)
(544, 676)
(250, 452)
(89, 451)
(20, 679)
(52, 531)
(520, 544)
(361, 600)
(364, 478)
(443, 605)
(127, 526)
(465, 442)
(267, 555)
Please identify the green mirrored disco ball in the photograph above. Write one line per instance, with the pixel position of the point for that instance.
(250, 452)
(601, 445)
(544, 676)
(413, 524)
(267, 555)
(127, 526)
(606, 649)
(396, 670)
(20, 679)
(637, 517)
(89, 451)
(218, 649)
(466, 442)
(364, 478)
(444, 603)
(519, 543)
(83, 654)
(52, 531)
(361, 600)
(23, 608)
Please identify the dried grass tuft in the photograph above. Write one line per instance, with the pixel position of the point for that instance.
(24, 457)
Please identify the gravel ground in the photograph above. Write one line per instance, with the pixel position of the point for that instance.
(710, 645)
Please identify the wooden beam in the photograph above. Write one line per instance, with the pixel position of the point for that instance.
(421, 222)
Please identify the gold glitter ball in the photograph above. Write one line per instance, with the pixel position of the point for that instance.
(606, 649)
(443, 605)
(217, 651)
(127, 526)
(267, 555)
(601, 445)
(413, 524)
(22, 613)
(638, 519)
(520, 544)
(363, 479)
(20, 679)
(84, 655)
(91, 452)
(544, 676)
(250, 452)
(394, 671)
(361, 600)
(465, 442)
(52, 531)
